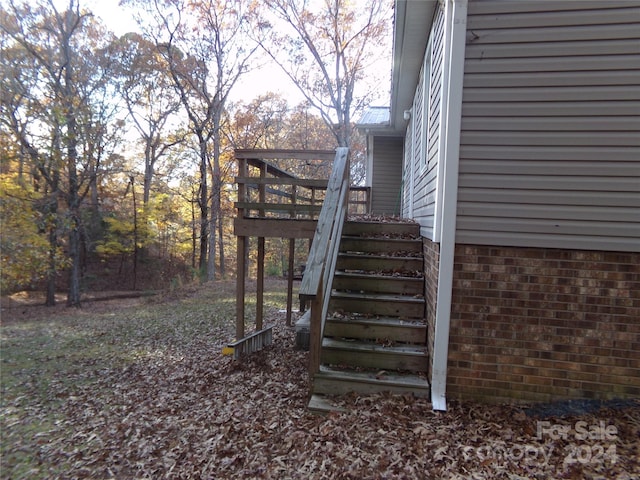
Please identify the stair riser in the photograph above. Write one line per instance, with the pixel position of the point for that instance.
(381, 360)
(406, 334)
(336, 386)
(378, 307)
(374, 264)
(378, 284)
(377, 228)
(380, 245)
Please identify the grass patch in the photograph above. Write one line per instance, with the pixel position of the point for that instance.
(49, 362)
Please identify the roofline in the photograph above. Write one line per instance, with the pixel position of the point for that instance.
(412, 24)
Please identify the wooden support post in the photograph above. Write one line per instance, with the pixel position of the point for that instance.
(240, 286)
(262, 193)
(292, 251)
(260, 285)
(315, 337)
(241, 251)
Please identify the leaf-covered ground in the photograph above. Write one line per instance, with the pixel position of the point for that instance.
(139, 389)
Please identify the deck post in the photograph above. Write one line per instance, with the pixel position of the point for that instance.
(260, 285)
(315, 336)
(292, 251)
(240, 286)
(241, 249)
(262, 194)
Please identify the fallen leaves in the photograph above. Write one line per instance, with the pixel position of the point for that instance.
(147, 394)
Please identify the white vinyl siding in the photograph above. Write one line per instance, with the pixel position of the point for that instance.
(426, 129)
(550, 141)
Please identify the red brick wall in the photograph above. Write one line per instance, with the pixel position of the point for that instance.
(431, 252)
(535, 324)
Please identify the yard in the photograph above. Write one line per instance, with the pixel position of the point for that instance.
(138, 388)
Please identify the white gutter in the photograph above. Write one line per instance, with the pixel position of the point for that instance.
(455, 36)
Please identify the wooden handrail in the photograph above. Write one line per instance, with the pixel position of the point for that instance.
(318, 275)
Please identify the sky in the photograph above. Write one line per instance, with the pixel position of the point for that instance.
(257, 82)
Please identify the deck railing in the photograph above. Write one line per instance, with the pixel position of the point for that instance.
(318, 275)
(269, 191)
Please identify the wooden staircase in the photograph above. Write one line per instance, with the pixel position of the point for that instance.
(375, 332)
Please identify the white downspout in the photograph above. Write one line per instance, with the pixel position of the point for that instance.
(456, 15)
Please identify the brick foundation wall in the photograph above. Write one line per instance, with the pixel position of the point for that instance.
(532, 324)
(431, 253)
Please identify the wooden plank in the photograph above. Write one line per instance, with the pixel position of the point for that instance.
(379, 245)
(384, 329)
(387, 305)
(291, 260)
(357, 262)
(278, 228)
(240, 285)
(260, 285)
(279, 207)
(339, 382)
(355, 228)
(270, 168)
(302, 182)
(274, 154)
(378, 283)
(252, 343)
(324, 228)
(373, 355)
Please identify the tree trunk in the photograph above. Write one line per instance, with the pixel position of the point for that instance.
(216, 187)
(221, 246)
(53, 244)
(204, 208)
(73, 297)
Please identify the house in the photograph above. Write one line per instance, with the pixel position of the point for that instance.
(513, 139)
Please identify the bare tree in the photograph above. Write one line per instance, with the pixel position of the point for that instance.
(150, 99)
(204, 46)
(324, 48)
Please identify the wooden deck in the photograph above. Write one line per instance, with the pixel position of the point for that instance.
(273, 202)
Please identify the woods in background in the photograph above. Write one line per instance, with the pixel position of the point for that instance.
(119, 151)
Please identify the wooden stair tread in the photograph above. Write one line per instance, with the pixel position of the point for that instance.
(373, 227)
(381, 321)
(380, 244)
(377, 297)
(375, 275)
(382, 239)
(378, 256)
(371, 347)
(382, 378)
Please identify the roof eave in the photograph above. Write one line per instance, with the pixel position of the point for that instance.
(411, 32)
